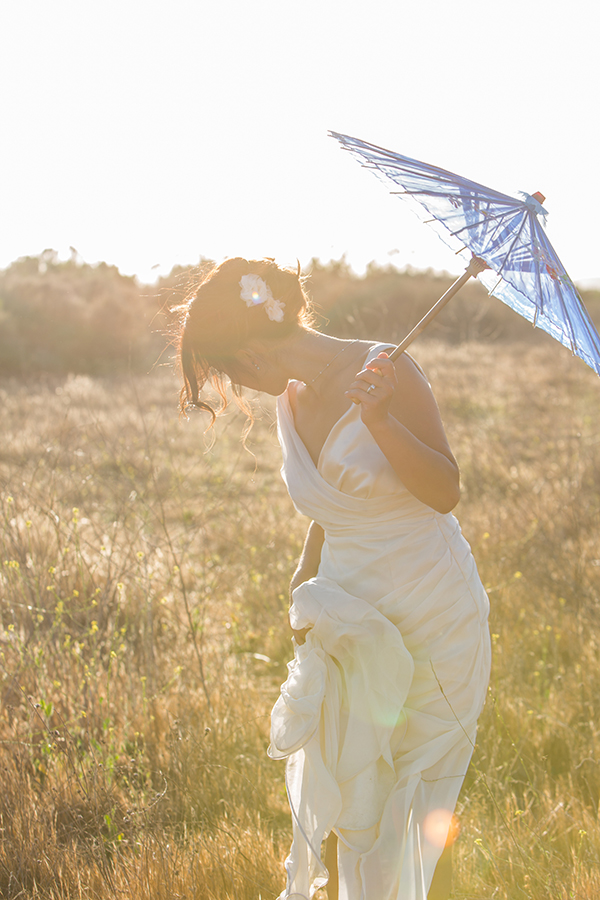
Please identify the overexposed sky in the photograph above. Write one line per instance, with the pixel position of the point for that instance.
(148, 133)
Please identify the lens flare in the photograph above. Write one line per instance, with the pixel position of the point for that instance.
(441, 828)
(256, 297)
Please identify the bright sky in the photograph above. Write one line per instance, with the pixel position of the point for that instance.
(148, 133)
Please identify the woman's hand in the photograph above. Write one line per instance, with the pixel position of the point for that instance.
(374, 389)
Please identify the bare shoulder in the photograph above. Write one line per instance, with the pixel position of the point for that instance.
(415, 406)
(408, 368)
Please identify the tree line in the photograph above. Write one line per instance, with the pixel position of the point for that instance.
(59, 317)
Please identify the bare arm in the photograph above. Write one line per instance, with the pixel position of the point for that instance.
(402, 415)
(308, 565)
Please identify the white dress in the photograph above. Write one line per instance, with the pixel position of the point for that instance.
(378, 715)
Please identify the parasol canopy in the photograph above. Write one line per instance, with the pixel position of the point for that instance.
(505, 233)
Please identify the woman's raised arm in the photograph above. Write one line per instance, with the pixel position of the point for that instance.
(399, 409)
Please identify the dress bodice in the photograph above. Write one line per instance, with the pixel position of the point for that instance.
(352, 475)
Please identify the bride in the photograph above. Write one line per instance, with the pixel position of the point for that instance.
(377, 718)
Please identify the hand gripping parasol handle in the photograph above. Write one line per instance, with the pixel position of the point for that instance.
(476, 266)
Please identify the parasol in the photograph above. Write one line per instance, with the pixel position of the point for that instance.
(504, 238)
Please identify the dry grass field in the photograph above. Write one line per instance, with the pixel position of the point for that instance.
(143, 599)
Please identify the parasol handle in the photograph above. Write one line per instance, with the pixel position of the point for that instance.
(476, 266)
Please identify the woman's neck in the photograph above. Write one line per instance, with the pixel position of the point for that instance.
(311, 355)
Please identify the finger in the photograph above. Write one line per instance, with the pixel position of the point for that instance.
(361, 389)
(378, 360)
(370, 380)
(382, 359)
(357, 396)
(372, 376)
(367, 393)
(385, 368)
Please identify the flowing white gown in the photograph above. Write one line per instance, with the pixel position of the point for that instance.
(378, 715)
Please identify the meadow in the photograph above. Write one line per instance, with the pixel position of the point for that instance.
(143, 596)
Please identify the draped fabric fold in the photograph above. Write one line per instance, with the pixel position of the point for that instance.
(377, 717)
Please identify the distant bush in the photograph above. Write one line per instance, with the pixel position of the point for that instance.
(61, 317)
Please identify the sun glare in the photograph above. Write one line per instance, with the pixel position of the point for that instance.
(441, 828)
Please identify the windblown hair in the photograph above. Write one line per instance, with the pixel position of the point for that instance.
(216, 323)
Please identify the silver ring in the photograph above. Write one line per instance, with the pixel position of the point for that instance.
(370, 388)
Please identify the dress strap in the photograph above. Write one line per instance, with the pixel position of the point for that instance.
(378, 348)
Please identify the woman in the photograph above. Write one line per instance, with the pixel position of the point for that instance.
(378, 715)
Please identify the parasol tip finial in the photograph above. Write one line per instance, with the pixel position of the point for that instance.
(538, 196)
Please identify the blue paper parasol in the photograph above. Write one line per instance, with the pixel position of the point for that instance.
(505, 233)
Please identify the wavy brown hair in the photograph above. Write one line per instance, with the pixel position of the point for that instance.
(216, 323)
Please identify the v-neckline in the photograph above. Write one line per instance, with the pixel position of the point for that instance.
(301, 443)
(337, 421)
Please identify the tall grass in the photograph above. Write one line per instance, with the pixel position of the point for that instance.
(143, 595)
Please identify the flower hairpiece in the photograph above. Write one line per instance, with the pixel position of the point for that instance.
(255, 292)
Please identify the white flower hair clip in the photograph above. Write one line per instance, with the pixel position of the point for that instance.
(255, 292)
